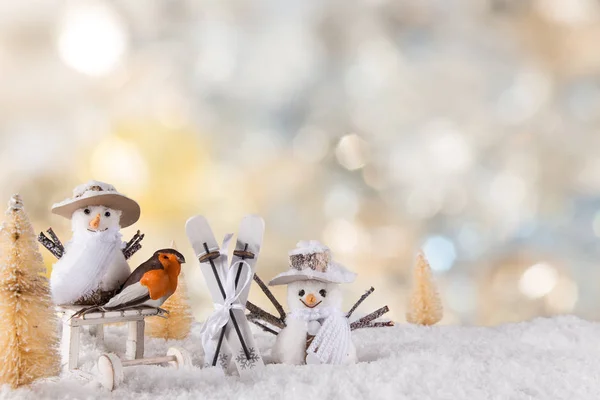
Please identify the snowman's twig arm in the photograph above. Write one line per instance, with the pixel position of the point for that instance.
(135, 239)
(366, 320)
(362, 298)
(128, 252)
(56, 240)
(264, 327)
(271, 297)
(133, 245)
(55, 248)
(258, 313)
(376, 325)
(381, 324)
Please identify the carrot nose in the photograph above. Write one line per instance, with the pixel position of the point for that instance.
(311, 300)
(95, 223)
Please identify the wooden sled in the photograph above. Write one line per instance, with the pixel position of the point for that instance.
(96, 320)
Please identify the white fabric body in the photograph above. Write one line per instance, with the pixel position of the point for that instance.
(290, 345)
(92, 260)
(333, 340)
(332, 343)
(324, 320)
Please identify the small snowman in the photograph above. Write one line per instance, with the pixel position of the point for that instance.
(317, 331)
(93, 265)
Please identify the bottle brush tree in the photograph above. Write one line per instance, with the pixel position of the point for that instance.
(178, 323)
(28, 325)
(425, 306)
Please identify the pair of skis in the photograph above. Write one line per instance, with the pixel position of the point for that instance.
(229, 287)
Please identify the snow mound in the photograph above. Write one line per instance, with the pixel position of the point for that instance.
(554, 358)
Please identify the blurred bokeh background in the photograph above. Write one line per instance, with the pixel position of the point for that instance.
(468, 128)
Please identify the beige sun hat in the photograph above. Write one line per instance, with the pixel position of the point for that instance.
(95, 193)
(311, 260)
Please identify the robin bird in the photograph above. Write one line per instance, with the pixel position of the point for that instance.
(150, 284)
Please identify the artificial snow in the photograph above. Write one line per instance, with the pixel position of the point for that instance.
(556, 358)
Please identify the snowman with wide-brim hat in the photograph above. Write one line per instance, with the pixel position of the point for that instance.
(93, 261)
(317, 331)
(95, 193)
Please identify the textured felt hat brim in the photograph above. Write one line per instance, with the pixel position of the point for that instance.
(335, 274)
(130, 208)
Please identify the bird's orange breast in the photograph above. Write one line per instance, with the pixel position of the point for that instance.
(158, 283)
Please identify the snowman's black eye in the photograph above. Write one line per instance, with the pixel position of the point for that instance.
(107, 214)
(323, 292)
(87, 211)
(301, 293)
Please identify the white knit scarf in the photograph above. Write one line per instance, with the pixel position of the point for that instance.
(332, 341)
